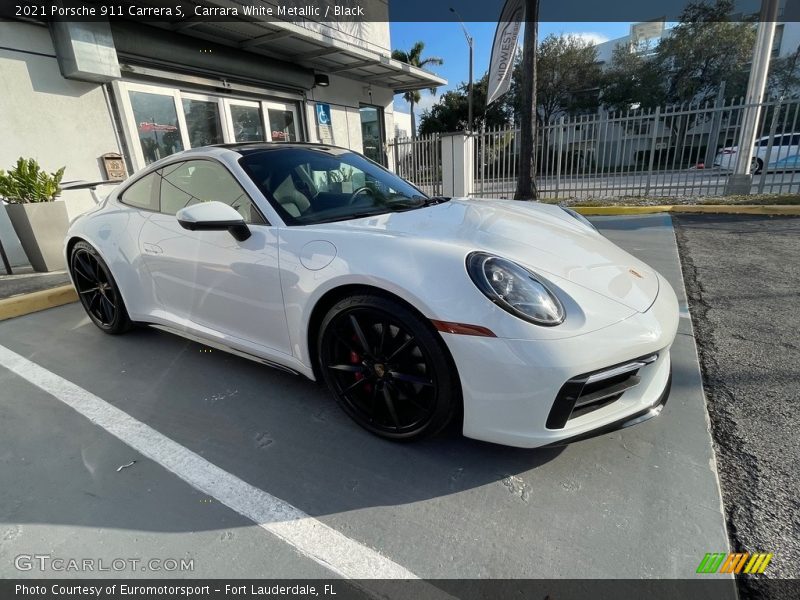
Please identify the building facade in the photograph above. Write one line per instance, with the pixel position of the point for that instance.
(81, 95)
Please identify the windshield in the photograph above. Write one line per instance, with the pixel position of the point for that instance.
(317, 185)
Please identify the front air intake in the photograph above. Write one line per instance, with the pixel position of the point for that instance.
(591, 391)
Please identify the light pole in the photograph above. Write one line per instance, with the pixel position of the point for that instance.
(741, 179)
(469, 43)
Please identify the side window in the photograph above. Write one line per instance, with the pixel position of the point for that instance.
(796, 140)
(140, 194)
(196, 181)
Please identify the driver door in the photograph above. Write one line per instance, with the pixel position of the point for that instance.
(207, 279)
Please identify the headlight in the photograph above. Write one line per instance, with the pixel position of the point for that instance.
(514, 289)
(579, 216)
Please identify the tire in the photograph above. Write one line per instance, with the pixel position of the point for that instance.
(387, 368)
(757, 166)
(97, 290)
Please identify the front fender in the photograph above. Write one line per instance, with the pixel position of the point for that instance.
(114, 233)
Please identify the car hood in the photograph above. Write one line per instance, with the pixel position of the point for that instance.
(542, 237)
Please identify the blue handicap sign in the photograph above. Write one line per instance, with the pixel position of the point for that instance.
(323, 114)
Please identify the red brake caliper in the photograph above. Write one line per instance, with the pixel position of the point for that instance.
(355, 359)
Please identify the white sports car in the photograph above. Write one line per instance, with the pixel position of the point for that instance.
(517, 317)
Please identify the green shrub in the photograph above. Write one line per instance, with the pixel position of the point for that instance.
(27, 182)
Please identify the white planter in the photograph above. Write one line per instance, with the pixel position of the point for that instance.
(41, 228)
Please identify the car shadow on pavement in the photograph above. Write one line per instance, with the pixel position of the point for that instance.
(279, 432)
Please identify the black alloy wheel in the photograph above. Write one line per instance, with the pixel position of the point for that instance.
(97, 290)
(387, 368)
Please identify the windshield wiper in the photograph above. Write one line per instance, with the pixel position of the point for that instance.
(436, 200)
(422, 202)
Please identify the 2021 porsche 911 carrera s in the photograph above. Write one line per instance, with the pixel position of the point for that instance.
(517, 317)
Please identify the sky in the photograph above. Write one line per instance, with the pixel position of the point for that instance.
(446, 40)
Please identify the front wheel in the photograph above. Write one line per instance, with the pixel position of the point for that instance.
(387, 368)
(97, 289)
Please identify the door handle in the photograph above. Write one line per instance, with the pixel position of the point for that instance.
(152, 248)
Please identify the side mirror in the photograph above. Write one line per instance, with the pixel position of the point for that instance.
(213, 216)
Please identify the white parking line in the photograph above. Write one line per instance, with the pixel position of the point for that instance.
(310, 537)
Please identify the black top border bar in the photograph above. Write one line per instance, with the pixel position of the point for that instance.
(175, 12)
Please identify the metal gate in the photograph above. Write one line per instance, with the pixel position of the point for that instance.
(420, 161)
(664, 152)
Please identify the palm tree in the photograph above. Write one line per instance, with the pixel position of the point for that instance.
(414, 58)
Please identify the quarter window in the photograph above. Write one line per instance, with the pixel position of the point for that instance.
(140, 194)
(196, 181)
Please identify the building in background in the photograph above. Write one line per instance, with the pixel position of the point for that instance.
(148, 91)
(644, 37)
(402, 124)
(77, 94)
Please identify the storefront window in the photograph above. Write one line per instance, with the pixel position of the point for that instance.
(282, 125)
(202, 122)
(157, 125)
(247, 123)
(160, 120)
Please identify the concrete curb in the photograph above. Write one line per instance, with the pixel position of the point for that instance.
(720, 209)
(24, 304)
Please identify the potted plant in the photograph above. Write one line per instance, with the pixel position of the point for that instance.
(40, 223)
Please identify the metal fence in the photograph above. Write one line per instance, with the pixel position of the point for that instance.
(420, 161)
(675, 151)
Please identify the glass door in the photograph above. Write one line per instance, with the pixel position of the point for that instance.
(373, 136)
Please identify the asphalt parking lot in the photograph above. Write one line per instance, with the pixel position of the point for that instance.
(743, 279)
(209, 431)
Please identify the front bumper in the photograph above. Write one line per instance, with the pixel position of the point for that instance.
(510, 386)
(640, 417)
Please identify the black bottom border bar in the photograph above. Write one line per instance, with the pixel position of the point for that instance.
(704, 587)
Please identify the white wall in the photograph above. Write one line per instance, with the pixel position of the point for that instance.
(344, 96)
(402, 124)
(57, 121)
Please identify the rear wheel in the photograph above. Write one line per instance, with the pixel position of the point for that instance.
(97, 289)
(387, 368)
(756, 166)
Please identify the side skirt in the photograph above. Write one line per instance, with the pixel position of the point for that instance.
(225, 348)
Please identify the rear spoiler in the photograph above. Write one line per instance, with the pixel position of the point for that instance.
(88, 185)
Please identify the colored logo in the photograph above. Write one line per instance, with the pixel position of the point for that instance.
(735, 563)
